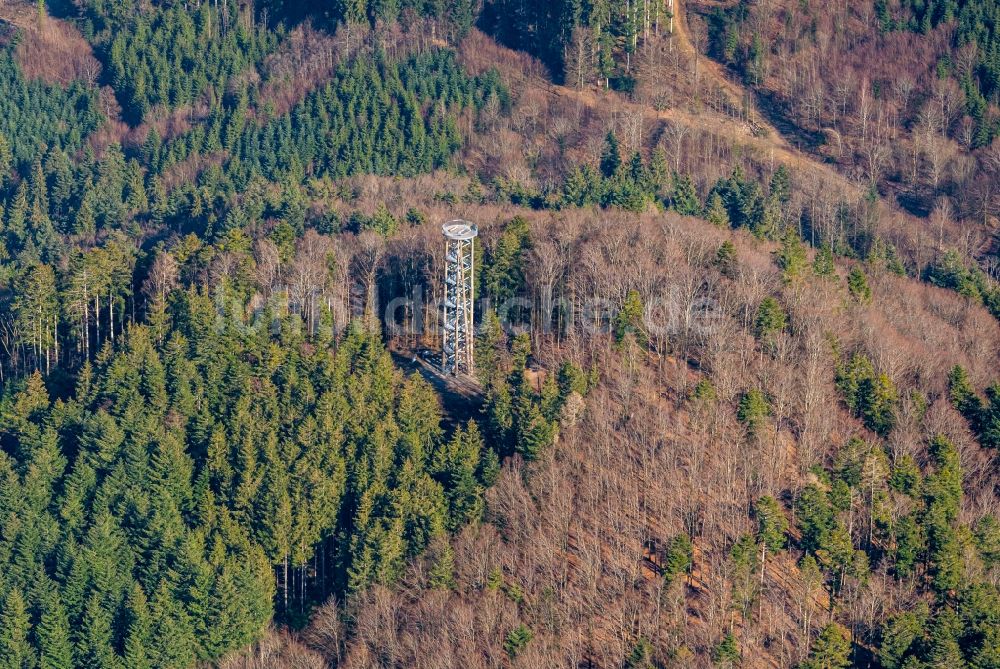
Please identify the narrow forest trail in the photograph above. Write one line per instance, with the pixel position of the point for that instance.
(771, 147)
(758, 134)
(772, 135)
(716, 72)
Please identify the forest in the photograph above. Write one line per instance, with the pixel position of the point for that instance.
(737, 388)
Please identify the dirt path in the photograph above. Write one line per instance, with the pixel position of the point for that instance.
(758, 120)
(716, 72)
(771, 147)
(758, 134)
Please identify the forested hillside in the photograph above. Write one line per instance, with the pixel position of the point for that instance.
(737, 391)
(919, 126)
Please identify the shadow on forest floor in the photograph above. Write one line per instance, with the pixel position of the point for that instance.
(461, 396)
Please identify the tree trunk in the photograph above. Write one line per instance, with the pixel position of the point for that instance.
(97, 321)
(86, 319)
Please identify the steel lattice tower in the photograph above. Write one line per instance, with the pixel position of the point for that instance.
(458, 333)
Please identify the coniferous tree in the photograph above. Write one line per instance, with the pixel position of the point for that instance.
(944, 649)
(725, 258)
(901, 636)
(442, 573)
(791, 256)
(823, 261)
(716, 212)
(745, 586)
(857, 285)
(641, 656)
(815, 517)
(780, 186)
(15, 627)
(611, 160)
(517, 639)
(171, 634)
(727, 652)
(771, 524)
(679, 557)
(6, 160)
(54, 635)
(770, 320)
(871, 396)
(96, 645)
(830, 650)
(684, 199)
(753, 410)
(629, 320)
(137, 636)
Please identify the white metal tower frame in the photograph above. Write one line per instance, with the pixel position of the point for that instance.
(458, 333)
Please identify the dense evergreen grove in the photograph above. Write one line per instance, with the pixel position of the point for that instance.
(35, 115)
(168, 487)
(370, 118)
(171, 57)
(983, 415)
(141, 514)
(454, 16)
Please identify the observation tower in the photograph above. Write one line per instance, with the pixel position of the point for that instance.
(458, 333)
